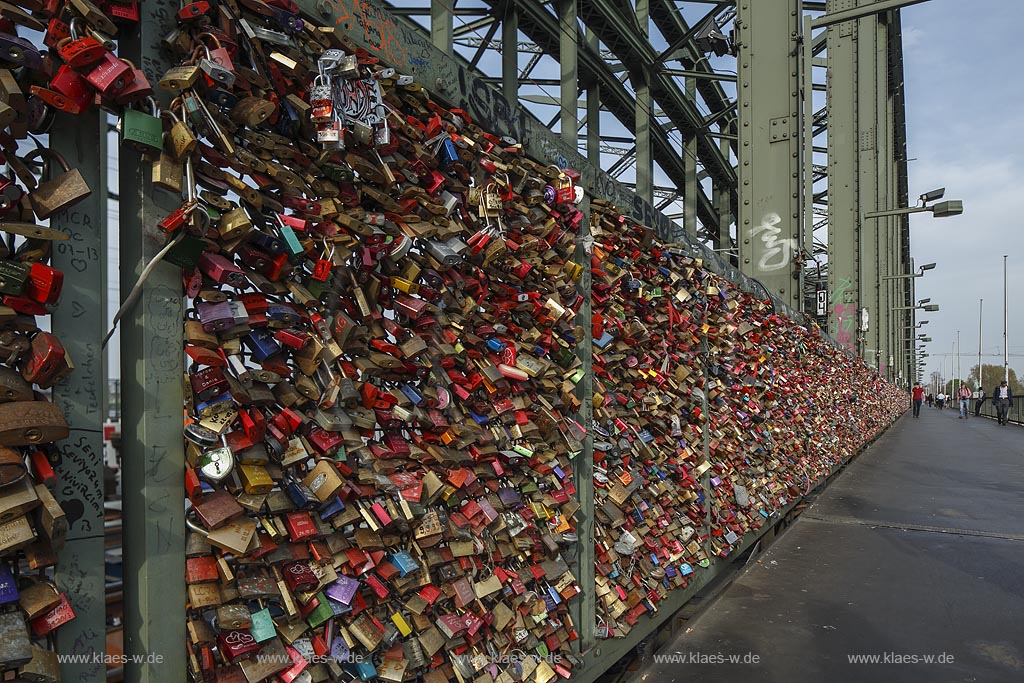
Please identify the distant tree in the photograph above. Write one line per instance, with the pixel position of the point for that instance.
(992, 375)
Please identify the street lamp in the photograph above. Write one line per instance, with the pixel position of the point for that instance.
(927, 266)
(950, 207)
(929, 307)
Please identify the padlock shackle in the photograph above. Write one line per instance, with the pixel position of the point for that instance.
(47, 154)
(193, 60)
(73, 27)
(189, 516)
(216, 41)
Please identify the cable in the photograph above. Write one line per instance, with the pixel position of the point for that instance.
(137, 289)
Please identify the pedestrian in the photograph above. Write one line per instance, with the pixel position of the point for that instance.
(1002, 397)
(980, 396)
(939, 400)
(930, 400)
(918, 395)
(965, 402)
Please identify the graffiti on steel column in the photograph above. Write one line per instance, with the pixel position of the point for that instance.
(846, 324)
(778, 251)
(845, 313)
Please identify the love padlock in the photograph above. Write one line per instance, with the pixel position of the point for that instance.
(142, 131)
(60, 192)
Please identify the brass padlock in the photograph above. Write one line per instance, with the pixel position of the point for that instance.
(16, 649)
(44, 667)
(38, 596)
(61, 192)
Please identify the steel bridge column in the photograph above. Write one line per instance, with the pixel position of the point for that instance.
(768, 92)
(843, 219)
(509, 53)
(568, 58)
(690, 166)
(644, 116)
(593, 110)
(442, 30)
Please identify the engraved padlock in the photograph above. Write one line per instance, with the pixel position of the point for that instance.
(142, 131)
(79, 50)
(60, 192)
(321, 100)
(110, 75)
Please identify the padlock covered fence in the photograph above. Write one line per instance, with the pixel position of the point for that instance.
(447, 421)
(454, 409)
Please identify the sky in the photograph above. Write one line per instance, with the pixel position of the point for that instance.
(965, 118)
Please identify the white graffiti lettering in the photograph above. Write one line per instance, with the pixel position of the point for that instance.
(777, 251)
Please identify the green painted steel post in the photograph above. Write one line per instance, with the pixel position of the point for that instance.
(510, 53)
(568, 59)
(768, 93)
(644, 116)
(868, 134)
(442, 26)
(690, 165)
(151, 423)
(585, 608)
(722, 199)
(79, 571)
(593, 110)
(843, 218)
(807, 140)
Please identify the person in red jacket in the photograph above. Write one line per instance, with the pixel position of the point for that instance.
(918, 396)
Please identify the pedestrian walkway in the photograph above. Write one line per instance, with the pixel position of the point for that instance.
(917, 549)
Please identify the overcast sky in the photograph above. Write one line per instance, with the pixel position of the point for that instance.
(965, 128)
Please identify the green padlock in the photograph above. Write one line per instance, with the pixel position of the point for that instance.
(141, 131)
(262, 628)
(321, 613)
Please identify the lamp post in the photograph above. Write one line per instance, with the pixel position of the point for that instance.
(927, 266)
(922, 305)
(928, 203)
(950, 207)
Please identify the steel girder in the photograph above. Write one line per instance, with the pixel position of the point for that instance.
(623, 37)
(669, 20)
(541, 27)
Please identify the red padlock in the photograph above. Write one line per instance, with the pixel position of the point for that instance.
(110, 76)
(136, 91)
(22, 304)
(236, 645)
(122, 12)
(299, 577)
(193, 10)
(56, 31)
(79, 51)
(45, 358)
(44, 283)
(68, 92)
(53, 618)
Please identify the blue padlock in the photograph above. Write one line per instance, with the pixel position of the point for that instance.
(404, 563)
(8, 587)
(261, 344)
(332, 507)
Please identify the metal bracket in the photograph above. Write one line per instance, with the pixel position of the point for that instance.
(779, 128)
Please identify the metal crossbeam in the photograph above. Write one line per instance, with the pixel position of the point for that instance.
(539, 25)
